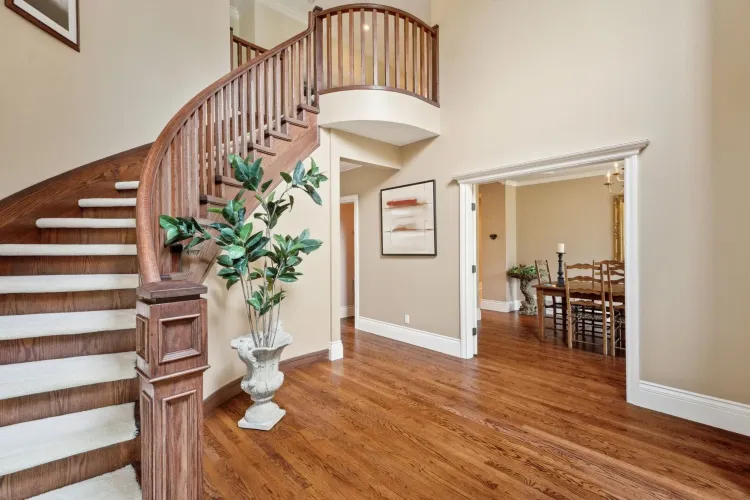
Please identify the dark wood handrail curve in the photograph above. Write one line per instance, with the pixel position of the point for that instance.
(242, 51)
(371, 46)
(234, 115)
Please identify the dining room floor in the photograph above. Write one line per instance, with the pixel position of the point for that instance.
(523, 420)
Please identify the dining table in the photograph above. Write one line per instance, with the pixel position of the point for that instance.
(578, 290)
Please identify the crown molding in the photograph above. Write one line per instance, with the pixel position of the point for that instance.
(289, 11)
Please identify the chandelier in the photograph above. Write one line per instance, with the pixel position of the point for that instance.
(616, 175)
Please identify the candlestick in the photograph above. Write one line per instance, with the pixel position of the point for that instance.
(560, 278)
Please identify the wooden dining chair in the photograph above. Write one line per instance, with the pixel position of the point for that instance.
(592, 310)
(616, 306)
(545, 278)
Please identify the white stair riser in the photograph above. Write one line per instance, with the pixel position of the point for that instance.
(22, 250)
(126, 185)
(106, 202)
(118, 485)
(42, 325)
(36, 377)
(60, 283)
(85, 223)
(30, 444)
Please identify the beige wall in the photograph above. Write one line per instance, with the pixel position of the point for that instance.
(140, 61)
(347, 254)
(493, 262)
(575, 212)
(591, 74)
(305, 313)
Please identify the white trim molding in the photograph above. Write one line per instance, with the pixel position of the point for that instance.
(716, 412)
(501, 306)
(419, 338)
(335, 350)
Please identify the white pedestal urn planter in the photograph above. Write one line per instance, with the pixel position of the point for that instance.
(262, 381)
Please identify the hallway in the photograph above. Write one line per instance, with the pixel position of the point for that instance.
(524, 420)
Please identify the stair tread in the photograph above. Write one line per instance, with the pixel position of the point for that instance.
(36, 377)
(85, 223)
(121, 484)
(106, 202)
(126, 185)
(58, 283)
(38, 442)
(71, 323)
(60, 250)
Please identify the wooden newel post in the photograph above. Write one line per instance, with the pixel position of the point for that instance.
(171, 344)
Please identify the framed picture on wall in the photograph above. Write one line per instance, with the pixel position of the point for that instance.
(59, 18)
(407, 220)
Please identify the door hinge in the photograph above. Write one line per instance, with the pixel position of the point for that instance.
(474, 332)
(473, 207)
(474, 269)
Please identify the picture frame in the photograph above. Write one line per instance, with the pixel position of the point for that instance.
(59, 18)
(408, 220)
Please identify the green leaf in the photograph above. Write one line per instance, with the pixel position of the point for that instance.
(227, 271)
(235, 251)
(288, 278)
(266, 185)
(224, 260)
(304, 235)
(215, 210)
(299, 173)
(287, 178)
(232, 281)
(245, 231)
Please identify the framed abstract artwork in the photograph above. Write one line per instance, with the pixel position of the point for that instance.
(407, 220)
(59, 18)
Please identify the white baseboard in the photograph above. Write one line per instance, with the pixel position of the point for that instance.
(501, 306)
(479, 314)
(721, 413)
(335, 350)
(427, 340)
(347, 311)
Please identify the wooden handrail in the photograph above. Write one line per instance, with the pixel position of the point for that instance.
(232, 115)
(404, 51)
(241, 51)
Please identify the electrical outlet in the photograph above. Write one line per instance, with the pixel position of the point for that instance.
(406, 319)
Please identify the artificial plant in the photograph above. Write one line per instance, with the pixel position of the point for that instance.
(259, 260)
(525, 274)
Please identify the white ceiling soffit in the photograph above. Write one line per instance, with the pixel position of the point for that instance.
(349, 165)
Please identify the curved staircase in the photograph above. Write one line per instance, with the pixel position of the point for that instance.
(103, 331)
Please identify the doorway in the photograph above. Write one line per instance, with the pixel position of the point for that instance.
(628, 154)
(349, 241)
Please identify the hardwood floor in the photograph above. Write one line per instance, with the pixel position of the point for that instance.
(524, 420)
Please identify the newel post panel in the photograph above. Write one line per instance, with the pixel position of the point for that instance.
(171, 347)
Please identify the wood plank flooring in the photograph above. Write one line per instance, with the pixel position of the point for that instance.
(524, 420)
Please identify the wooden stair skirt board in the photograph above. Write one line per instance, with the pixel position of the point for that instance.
(23, 379)
(31, 444)
(233, 388)
(74, 323)
(121, 484)
(61, 283)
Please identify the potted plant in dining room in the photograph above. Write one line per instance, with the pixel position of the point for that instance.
(260, 261)
(525, 274)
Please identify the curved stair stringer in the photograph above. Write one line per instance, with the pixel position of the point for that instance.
(68, 387)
